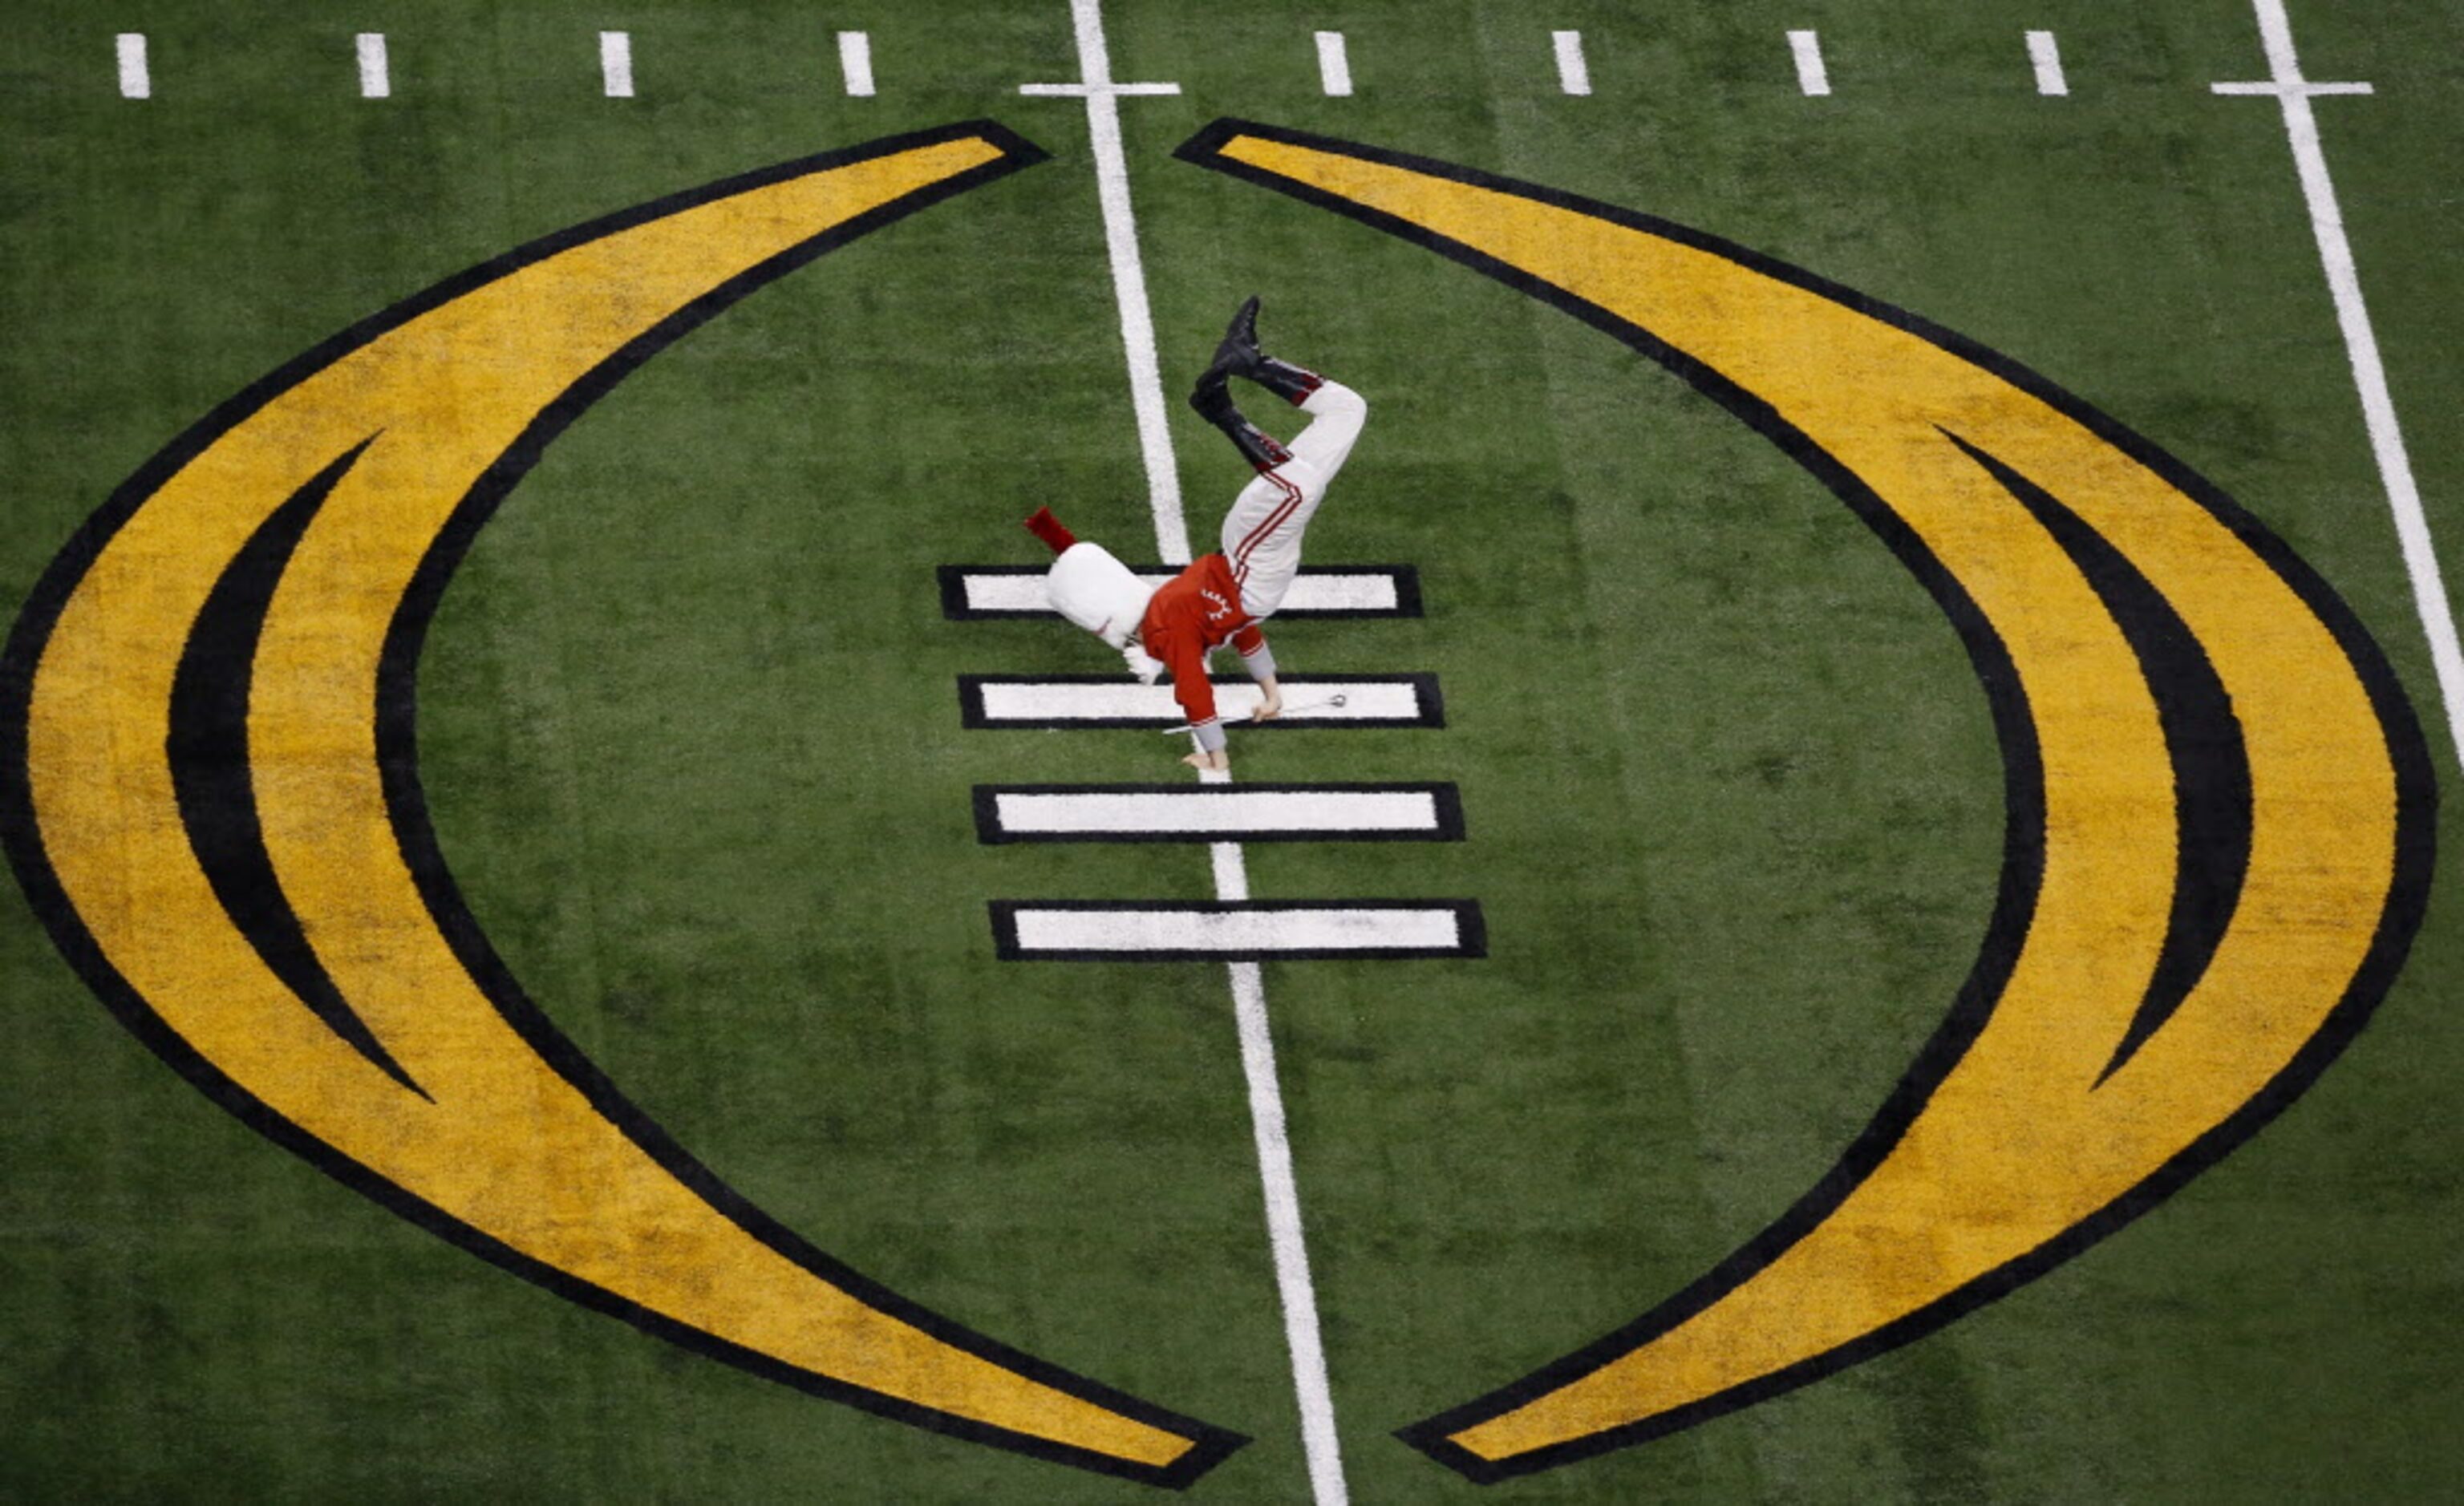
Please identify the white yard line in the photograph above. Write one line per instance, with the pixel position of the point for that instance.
(1573, 74)
(135, 81)
(2046, 56)
(1315, 1397)
(2362, 349)
(855, 63)
(1811, 75)
(1333, 64)
(616, 64)
(376, 77)
(1284, 1232)
(1128, 274)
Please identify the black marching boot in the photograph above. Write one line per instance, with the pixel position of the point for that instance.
(1213, 400)
(1238, 355)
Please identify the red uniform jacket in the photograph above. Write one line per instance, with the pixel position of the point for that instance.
(1190, 614)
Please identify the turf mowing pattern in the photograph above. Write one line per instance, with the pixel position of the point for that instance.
(1734, 799)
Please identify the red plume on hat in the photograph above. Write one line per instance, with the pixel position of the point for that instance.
(1045, 526)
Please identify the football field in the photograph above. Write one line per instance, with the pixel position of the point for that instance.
(1852, 904)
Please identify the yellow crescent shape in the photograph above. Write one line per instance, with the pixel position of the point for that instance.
(2170, 680)
(216, 814)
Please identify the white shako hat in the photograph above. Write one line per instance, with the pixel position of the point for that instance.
(1097, 592)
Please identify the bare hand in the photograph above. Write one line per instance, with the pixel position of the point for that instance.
(1271, 706)
(1203, 759)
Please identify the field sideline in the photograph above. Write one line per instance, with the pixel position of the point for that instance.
(1852, 905)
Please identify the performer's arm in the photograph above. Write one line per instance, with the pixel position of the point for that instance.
(1196, 694)
(1260, 661)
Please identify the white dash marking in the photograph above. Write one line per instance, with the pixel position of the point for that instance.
(2046, 54)
(616, 64)
(1039, 703)
(1235, 812)
(2303, 88)
(1573, 74)
(135, 81)
(855, 63)
(1811, 75)
(2294, 93)
(1130, 929)
(375, 76)
(1333, 64)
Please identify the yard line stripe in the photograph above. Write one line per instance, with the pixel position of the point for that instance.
(616, 64)
(1093, 701)
(1241, 931)
(855, 63)
(135, 81)
(1573, 74)
(376, 77)
(1278, 1184)
(1333, 64)
(1315, 1397)
(1811, 75)
(2046, 54)
(971, 593)
(1221, 812)
(2362, 351)
(1128, 274)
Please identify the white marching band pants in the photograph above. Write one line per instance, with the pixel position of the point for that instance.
(1261, 534)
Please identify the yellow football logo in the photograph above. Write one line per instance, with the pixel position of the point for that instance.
(223, 825)
(2218, 845)
(2219, 835)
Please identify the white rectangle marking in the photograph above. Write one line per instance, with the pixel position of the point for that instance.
(2047, 55)
(1264, 931)
(1370, 591)
(1038, 701)
(855, 63)
(1221, 810)
(1573, 74)
(616, 63)
(376, 77)
(135, 82)
(1334, 65)
(1811, 75)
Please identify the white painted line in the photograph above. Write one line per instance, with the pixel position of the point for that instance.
(1811, 75)
(1128, 272)
(1080, 91)
(616, 64)
(1280, 1185)
(1573, 74)
(2046, 54)
(1312, 1392)
(2362, 351)
(1226, 813)
(1285, 1235)
(1333, 64)
(1018, 591)
(855, 63)
(989, 701)
(376, 77)
(1245, 930)
(2305, 89)
(135, 82)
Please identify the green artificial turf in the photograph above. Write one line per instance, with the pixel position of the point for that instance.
(688, 730)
